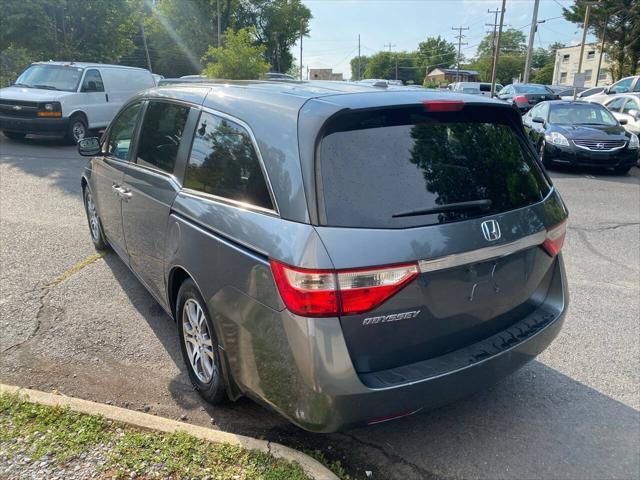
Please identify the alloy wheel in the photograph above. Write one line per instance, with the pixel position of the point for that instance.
(94, 222)
(198, 342)
(79, 131)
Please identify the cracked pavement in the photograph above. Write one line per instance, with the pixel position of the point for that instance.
(95, 333)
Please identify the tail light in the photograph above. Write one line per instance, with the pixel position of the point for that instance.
(555, 239)
(432, 106)
(521, 99)
(326, 293)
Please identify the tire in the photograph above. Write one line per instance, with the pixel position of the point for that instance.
(544, 160)
(15, 135)
(622, 170)
(77, 129)
(200, 350)
(95, 225)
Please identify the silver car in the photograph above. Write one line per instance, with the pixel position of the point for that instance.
(343, 254)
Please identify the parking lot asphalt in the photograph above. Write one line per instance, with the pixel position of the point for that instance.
(83, 325)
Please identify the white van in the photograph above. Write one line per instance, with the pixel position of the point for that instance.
(474, 88)
(68, 98)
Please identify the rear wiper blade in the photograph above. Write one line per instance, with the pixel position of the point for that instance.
(449, 207)
(47, 87)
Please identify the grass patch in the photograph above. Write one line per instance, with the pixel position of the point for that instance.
(335, 466)
(38, 430)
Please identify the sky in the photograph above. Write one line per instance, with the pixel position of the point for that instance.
(405, 23)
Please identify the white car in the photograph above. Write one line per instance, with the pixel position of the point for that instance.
(68, 98)
(474, 88)
(626, 107)
(625, 85)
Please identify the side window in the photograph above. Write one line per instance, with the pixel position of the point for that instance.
(630, 105)
(224, 163)
(92, 81)
(161, 135)
(121, 132)
(615, 105)
(544, 110)
(623, 86)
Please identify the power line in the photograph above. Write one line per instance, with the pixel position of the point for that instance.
(460, 36)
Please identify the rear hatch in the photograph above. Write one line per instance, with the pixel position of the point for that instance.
(452, 194)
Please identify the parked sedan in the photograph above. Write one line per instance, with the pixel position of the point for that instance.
(523, 96)
(624, 85)
(579, 133)
(626, 107)
(305, 262)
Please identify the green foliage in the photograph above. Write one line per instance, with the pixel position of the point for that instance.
(277, 24)
(335, 466)
(38, 430)
(509, 67)
(70, 29)
(383, 65)
(239, 58)
(622, 39)
(364, 61)
(436, 52)
(543, 74)
(512, 41)
(13, 61)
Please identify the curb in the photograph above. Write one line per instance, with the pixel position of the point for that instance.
(311, 467)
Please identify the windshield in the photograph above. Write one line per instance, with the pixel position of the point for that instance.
(531, 89)
(581, 114)
(51, 77)
(398, 168)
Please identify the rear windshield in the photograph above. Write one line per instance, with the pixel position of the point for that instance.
(532, 89)
(403, 167)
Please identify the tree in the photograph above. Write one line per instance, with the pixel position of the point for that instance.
(436, 52)
(70, 29)
(622, 39)
(512, 41)
(278, 24)
(364, 61)
(383, 65)
(238, 59)
(544, 74)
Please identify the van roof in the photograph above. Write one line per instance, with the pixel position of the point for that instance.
(86, 65)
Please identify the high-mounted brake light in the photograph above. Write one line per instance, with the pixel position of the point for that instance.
(432, 106)
(555, 238)
(326, 293)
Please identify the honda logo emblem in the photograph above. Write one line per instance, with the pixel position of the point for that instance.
(491, 230)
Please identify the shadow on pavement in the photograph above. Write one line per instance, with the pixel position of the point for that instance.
(502, 432)
(633, 177)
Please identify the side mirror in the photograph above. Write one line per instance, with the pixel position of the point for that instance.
(622, 121)
(538, 120)
(635, 114)
(88, 147)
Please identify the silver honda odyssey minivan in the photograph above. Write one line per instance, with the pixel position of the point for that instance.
(344, 254)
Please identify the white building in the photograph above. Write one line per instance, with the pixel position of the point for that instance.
(566, 65)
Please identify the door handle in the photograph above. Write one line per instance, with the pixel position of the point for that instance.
(122, 192)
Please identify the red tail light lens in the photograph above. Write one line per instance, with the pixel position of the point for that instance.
(521, 99)
(443, 105)
(555, 239)
(326, 293)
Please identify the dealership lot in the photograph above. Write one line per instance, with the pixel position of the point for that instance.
(83, 325)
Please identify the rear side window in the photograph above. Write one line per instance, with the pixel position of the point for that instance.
(161, 135)
(224, 163)
(403, 167)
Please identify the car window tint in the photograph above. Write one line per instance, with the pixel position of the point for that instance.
(121, 132)
(223, 162)
(623, 86)
(161, 134)
(92, 82)
(615, 104)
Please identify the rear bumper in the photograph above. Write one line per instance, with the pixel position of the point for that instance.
(304, 371)
(585, 158)
(34, 125)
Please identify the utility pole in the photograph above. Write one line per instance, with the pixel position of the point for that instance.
(301, 31)
(390, 45)
(459, 37)
(493, 38)
(144, 43)
(532, 34)
(497, 51)
(585, 27)
(359, 75)
(396, 66)
(604, 31)
(218, 18)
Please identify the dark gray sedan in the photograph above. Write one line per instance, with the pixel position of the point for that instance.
(344, 254)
